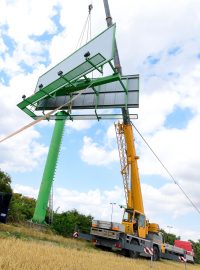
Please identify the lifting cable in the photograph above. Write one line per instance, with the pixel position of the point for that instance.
(86, 28)
(46, 116)
(168, 172)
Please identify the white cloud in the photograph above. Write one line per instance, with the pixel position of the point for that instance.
(161, 25)
(80, 124)
(177, 148)
(187, 234)
(154, 108)
(110, 134)
(25, 23)
(22, 153)
(167, 199)
(3, 47)
(95, 154)
(26, 190)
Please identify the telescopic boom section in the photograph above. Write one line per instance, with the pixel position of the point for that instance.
(129, 167)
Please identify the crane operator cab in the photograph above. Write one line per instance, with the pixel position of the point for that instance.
(135, 223)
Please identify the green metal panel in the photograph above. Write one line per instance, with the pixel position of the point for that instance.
(83, 84)
(49, 171)
(79, 85)
(29, 112)
(58, 84)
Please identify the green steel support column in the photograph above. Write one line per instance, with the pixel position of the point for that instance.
(49, 171)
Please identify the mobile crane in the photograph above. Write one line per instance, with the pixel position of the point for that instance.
(135, 235)
(135, 228)
(134, 221)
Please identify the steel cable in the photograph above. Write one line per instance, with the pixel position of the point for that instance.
(168, 172)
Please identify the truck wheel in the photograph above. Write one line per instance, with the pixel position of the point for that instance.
(134, 254)
(156, 253)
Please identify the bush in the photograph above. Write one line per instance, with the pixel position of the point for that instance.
(66, 222)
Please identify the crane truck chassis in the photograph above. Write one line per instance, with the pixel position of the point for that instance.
(111, 236)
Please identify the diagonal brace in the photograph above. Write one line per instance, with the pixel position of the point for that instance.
(88, 60)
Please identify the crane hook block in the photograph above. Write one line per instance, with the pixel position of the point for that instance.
(90, 7)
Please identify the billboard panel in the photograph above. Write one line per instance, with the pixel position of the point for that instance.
(110, 95)
(95, 53)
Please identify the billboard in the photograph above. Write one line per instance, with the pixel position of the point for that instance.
(110, 95)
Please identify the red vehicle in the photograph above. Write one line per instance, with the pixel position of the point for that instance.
(187, 246)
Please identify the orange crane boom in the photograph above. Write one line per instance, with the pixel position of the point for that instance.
(129, 167)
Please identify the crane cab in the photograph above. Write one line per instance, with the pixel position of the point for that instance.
(135, 223)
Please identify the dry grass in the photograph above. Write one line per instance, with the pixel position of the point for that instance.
(21, 232)
(71, 254)
(19, 254)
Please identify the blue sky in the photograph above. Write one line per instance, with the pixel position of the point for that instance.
(155, 42)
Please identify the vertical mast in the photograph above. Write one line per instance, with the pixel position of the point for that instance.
(125, 112)
(109, 23)
(133, 193)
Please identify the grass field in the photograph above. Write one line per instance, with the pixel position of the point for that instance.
(23, 248)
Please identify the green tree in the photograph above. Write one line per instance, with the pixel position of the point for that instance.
(169, 238)
(196, 248)
(5, 182)
(66, 222)
(21, 208)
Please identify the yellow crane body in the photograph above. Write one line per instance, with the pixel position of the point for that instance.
(134, 194)
(134, 219)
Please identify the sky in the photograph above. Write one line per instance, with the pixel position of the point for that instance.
(157, 39)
